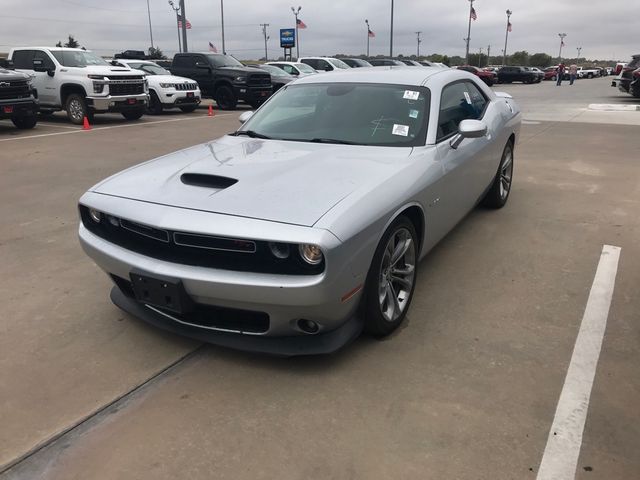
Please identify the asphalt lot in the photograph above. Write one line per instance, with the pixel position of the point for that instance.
(466, 390)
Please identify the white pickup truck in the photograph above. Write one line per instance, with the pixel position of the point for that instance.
(81, 83)
(587, 72)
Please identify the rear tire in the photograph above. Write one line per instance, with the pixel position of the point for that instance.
(25, 123)
(77, 109)
(391, 279)
(500, 189)
(226, 99)
(133, 114)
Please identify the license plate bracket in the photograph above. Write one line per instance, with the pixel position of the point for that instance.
(189, 94)
(8, 109)
(162, 292)
(131, 101)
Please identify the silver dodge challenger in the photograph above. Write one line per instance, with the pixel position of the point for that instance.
(306, 226)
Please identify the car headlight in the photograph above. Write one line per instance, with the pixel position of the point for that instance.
(310, 253)
(167, 85)
(240, 79)
(95, 215)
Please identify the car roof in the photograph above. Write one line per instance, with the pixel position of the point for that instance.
(283, 63)
(386, 75)
(53, 49)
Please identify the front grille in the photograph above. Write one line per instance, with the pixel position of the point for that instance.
(125, 77)
(15, 89)
(210, 316)
(126, 88)
(197, 250)
(186, 86)
(259, 79)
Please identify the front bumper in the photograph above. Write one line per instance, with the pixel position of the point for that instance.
(119, 103)
(18, 107)
(252, 94)
(177, 98)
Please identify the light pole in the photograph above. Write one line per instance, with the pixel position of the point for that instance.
(264, 33)
(419, 42)
(391, 34)
(295, 14)
(506, 37)
(480, 57)
(183, 17)
(224, 50)
(562, 36)
(466, 61)
(150, 31)
(368, 30)
(579, 50)
(488, 55)
(177, 9)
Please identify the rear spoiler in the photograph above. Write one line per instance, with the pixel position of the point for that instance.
(503, 95)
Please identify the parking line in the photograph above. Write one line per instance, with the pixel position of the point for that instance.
(58, 126)
(97, 129)
(561, 453)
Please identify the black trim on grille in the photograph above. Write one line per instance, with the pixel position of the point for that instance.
(15, 89)
(126, 88)
(210, 316)
(186, 86)
(198, 250)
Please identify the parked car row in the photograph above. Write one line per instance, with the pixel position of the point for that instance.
(629, 79)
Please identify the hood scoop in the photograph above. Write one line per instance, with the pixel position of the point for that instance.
(207, 181)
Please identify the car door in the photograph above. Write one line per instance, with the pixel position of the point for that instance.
(200, 71)
(47, 85)
(466, 168)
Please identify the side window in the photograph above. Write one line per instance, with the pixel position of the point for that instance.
(457, 104)
(46, 59)
(185, 61)
(288, 69)
(23, 59)
(478, 100)
(312, 63)
(323, 65)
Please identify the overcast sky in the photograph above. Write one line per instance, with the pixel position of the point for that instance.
(604, 29)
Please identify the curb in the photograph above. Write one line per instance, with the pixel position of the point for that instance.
(603, 107)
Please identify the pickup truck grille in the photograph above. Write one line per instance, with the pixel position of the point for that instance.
(15, 89)
(126, 88)
(125, 77)
(259, 79)
(187, 86)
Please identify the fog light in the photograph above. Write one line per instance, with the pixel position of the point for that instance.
(95, 215)
(311, 253)
(280, 250)
(308, 326)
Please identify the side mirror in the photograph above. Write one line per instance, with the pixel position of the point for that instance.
(468, 129)
(245, 116)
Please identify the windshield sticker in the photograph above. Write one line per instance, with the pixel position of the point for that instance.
(468, 98)
(413, 113)
(411, 95)
(402, 130)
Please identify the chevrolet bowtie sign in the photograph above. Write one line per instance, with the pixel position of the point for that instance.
(287, 37)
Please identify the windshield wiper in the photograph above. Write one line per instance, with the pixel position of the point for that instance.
(249, 133)
(331, 140)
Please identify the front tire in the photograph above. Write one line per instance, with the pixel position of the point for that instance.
(500, 189)
(133, 114)
(77, 109)
(226, 99)
(155, 106)
(391, 279)
(25, 123)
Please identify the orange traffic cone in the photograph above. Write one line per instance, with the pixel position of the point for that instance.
(85, 124)
(211, 114)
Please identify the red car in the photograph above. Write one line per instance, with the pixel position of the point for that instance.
(486, 77)
(551, 73)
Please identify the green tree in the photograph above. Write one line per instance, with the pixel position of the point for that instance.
(156, 54)
(519, 58)
(71, 43)
(541, 60)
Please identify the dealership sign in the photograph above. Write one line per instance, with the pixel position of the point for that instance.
(287, 37)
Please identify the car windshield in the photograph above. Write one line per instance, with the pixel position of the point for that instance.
(75, 58)
(150, 68)
(344, 113)
(304, 68)
(337, 63)
(224, 61)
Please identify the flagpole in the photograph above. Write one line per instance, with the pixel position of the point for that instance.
(561, 35)
(506, 37)
(295, 14)
(469, 32)
(368, 30)
(224, 50)
(391, 36)
(183, 14)
(177, 9)
(150, 30)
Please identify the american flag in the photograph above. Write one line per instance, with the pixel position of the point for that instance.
(371, 34)
(474, 15)
(212, 48)
(510, 27)
(188, 24)
(300, 24)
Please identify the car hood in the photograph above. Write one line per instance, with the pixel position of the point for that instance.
(107, 70)
(288, 182)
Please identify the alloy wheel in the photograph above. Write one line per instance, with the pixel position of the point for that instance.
(506, 173)
(76, 110)
(397, 274)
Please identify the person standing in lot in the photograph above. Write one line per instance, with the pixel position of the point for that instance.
(573, 73)
(560, 72)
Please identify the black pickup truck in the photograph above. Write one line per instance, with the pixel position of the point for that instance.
(517, 74)
(18, 99)
(224, 78)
